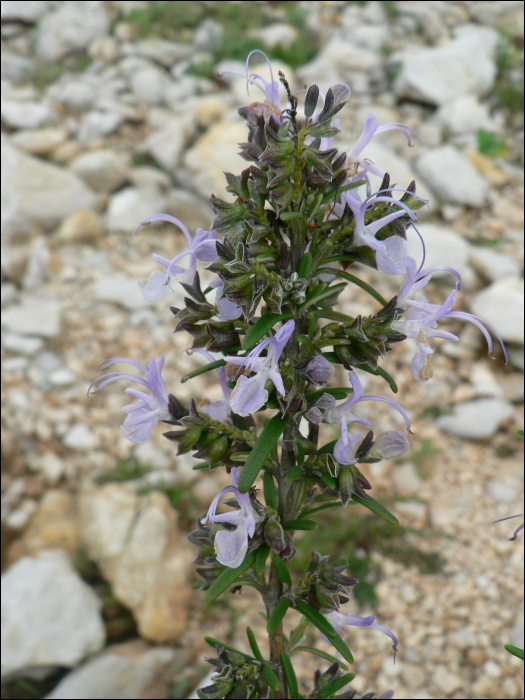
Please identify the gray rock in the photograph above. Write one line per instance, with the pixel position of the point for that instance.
(452, 176)
(166, 144)
(9, 294)
(50, 616)
(208, 34)
(476, 420)
(73, 25)
(501, 492)
(28, 11)
(129, 670)
(82, 225)
(439, 75)
(192, 210)
(149, 454)
(130, 206)
(516, 636)
(104, 170)
(150, 84)
(146, 176)
(37, 265)
(124, 292)
(21, 344)
(20, 114)
(492, 265)
(516, 358)
(166, 53)
(35, 192)
(278, 34)
(464, 115)
(96, 125)
(80, 437)
(407, 480)
(501, 305)
(16, 68)
(62, 377)
(39, 142)
(76, 92)
(34, 317)
(442, 246)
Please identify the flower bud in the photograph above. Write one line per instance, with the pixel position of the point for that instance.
(352, 481)
(274, 535)
(390, 445)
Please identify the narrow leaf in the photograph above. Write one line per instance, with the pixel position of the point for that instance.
(289, 674)
(201, 465)
(354, 280)
(228, 578)
(336, 685)
(270, 494)
(300, 524)
(253, 644)
(262, 450)
(215, 642)
(203, 369)
(305, 266)
(380, 372)
(340, 190)
(262, 328)
(309, 513)
(377, 508)
(260, 559)
(282, 571)
(270, 677)
(323, 654)
(293, 474)
(277, 615)
(327, 449)
(514, 651)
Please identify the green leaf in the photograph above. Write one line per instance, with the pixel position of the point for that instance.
(270, 677)
(336, 685)
(335, 316)
(253, 644)
(329, 481)
(354, 280)
(306, 341)
(340, 190)
(215, 642)
(202, 370)
(520, 433)
(325, 628)
(321, 292)
(197, 585)
(323, 654)
(262, 450)
(201, 465)
(260, 329)
(514, 651)
(270, 494)
(327, 449)
(289, 674)
(377, 508)
(260, 559)
(294, 473)
(228, 577)
(300, 453)
(282, 571)
(308, 513)
(300, 524)
(277, 615)
(380, 372)
(305, 266)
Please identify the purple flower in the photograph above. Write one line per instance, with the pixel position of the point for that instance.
(202, 247)
(272, 105)
(370, 130)
(228, 310)
(217, 409)
(346, 445)
(421, 323)
(518, 529)
(143, 415)
(250, 394)
(416, 279)
(231, 545)
(339, 621)
(391, 252)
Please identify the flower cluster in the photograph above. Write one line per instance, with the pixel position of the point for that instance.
(302, 214)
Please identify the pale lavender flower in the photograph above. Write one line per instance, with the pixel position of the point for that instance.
(143, 415)
(272, 105)
(390, 445)
(228, 310)
(346, 446)
(341, 414)
(339, 621)
(371, 129)
(250, 394)
(231, 545)
(421, 322)
(217, 409)
(202, 247)
(518, 529)
(391, 252)
(416, 279)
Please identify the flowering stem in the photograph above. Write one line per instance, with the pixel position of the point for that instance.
(276, 638)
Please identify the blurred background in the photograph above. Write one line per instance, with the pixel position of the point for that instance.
(112, 112)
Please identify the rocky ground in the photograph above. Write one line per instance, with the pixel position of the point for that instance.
(105, 123)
